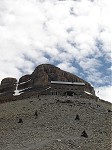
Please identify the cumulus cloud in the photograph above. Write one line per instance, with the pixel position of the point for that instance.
(72, 34)
(104, 93)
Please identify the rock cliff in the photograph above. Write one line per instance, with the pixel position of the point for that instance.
(40, 78)
(8, 85)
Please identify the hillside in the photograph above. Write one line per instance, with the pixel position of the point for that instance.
(65, 114)
(55, 123)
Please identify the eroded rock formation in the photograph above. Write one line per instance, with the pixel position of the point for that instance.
(8, 85)
(40, 78)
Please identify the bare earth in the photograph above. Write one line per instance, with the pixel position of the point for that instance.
(55, 127)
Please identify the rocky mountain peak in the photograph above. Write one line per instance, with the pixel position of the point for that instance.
(41, 77)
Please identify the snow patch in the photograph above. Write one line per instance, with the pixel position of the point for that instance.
(26, 88)
(24, 82)
(88, 93)
(48, 88)
(18, 92)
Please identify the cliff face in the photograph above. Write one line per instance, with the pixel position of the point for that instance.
(8, 85)
(41, 77)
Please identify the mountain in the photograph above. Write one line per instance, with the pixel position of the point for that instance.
(40, 79)
(33, 121)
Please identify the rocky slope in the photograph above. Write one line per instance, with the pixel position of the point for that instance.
(39, 79)
(51, 123)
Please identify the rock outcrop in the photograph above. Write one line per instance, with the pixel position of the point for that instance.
(7, 81)
(8, 85)
(24, 78)
(40, 78)
(25, 82)
(45, 73)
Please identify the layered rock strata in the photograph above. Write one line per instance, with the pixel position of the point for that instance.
(8, 85)
(39, 79)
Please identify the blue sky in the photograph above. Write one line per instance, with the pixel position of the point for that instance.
(71, 34)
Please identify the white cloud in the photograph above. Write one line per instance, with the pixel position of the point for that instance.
(45, 31)
(65, 67)
(104, 93)
(89, 63)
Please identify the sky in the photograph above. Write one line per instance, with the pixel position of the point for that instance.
(74, 35)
